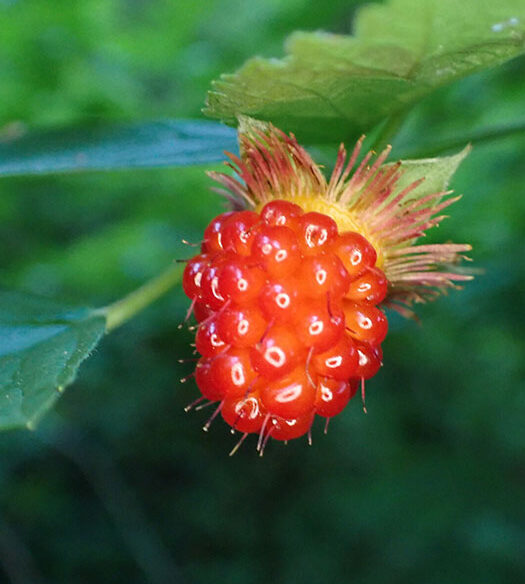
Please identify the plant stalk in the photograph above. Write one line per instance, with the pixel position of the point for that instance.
(123, 310)
(488, 135)
(388, 132)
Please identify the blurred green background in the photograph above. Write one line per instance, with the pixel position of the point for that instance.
(119, 484)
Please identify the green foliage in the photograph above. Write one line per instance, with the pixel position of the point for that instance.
(119, 483)
(436, 172)
(42, 345)
(166, 143)
(331, 87)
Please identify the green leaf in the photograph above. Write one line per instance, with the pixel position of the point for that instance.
(152, 144)
(438, 173)
(331, 87)
(42, 345)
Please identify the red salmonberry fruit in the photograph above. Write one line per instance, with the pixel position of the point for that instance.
(370, 360)
(212, 234)
(278, 299)
(275, 249)
(356, 253)
(370, 288)
(192, 276)
(287, 429)
(339, 362)
(287, 319)
(316, 327)
(208, 341)
(316, 232)
(238, 231)
(333, 395)
(322, 274)
(310, 268)
(231, 372)
(290, 396)
(241, 326)
(281, 213)
(244, 413)
(278, 353)
(365, 323)
(240, 281)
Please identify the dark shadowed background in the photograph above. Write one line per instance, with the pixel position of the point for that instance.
(119, 484)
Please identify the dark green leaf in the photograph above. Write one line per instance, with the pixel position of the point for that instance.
(42, 345)
(164, 143)
(331, 87)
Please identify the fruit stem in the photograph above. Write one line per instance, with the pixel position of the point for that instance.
(479, 137)
(123, 310)
(389, 130)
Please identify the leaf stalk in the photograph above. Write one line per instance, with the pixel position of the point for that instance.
(123, 310)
